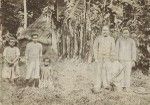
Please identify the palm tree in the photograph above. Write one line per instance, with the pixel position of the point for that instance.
(25, 13)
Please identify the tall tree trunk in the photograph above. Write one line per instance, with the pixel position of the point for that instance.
(25, 14)
(75, 45)
(1, 15)
(1, 28)
(84, 32)
(68, 46)
(81, 41)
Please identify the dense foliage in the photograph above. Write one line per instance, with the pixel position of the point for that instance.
(78, 22)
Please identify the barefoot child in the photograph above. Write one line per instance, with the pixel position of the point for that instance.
(45, 75)
(11, 56)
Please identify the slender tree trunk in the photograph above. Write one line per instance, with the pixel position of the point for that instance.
(64, 44)
(84, 32)
(68, 46)
(1, 15)
(75, 45)
(1, 26)
(25, 14)
(81, 40)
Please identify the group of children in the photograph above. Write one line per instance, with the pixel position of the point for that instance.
(38, 73)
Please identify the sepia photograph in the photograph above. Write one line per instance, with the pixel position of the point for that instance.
(74, 52)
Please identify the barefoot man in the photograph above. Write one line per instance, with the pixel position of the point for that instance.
(104, 51)
(33, 56)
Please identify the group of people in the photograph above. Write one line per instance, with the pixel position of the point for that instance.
(36, 74)
(114, 61)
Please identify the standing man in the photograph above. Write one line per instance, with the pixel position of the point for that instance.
(126, 54)
(33, 56)
(104, 52)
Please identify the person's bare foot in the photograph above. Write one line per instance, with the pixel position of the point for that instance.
(96, 90)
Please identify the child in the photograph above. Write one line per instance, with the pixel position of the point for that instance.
(11, 56)
(45, 75)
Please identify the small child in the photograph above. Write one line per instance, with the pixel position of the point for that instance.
(45, 75)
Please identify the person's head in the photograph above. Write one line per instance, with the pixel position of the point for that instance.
(46, 61)
(125, 32)
(105, 31)
(12, 42)
(34, 37)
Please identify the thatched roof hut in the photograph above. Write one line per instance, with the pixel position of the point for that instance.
(45, 28)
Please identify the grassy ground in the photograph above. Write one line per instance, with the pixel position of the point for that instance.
(73, 81)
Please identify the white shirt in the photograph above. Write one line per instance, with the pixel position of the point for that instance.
(104, 47)
(126, 49)
(10, 53)
(33, 51)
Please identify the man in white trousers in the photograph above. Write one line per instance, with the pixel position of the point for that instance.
(126, 54)
(33, 56)
(104, 52)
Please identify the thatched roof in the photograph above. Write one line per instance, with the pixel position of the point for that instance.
(44, 28)
(41, 26)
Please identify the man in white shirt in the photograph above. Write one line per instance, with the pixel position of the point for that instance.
(33, 56)
(126, 54)
(104, 52)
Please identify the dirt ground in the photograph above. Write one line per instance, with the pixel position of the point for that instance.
(73, 81)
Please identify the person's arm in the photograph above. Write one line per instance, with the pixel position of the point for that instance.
(26, 53)
(4, 56)
(17, 57)
(133, 51)
(41, 49)
(113, 49)
(117, 48)
(95, 49)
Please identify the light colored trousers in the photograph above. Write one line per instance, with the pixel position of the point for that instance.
(127, 73)
(124, 78)
(33, 69)
(102, 74)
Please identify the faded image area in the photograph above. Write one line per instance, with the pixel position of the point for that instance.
(74, 52)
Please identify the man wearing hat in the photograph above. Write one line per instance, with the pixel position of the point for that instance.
(11, 56)
(33, 56)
